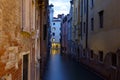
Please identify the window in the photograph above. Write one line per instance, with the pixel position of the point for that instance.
(85, 6)
(92, 3)
(53, 34)
(81, 10)
(25, 67)
(76, 13)
(91, 54)
(53, 28)
(53, 23)
(56, 46)
(33, 3)
(92, 24)
(101, 56)
(114, 60)
(84, 53)
(101, 13)
(81, 29)
(84, 27)
(53, 40)
(45, 32)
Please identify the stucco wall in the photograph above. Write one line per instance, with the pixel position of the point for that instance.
(56, 31)
(12, 41)
(107, 38)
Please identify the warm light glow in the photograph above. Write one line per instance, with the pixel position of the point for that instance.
(55, 51)
(55, 45)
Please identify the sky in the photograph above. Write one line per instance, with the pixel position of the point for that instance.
(60, 6)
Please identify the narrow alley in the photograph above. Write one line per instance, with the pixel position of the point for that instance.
(62, 68)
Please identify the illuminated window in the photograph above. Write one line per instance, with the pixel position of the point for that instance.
(53, 39)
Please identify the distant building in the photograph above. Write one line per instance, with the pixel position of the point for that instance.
(55, 32)
(55, 24)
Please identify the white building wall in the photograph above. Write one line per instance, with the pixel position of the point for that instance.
(57, 26)
(57, 31)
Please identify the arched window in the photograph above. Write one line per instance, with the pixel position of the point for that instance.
(53, 28)
(53, 39)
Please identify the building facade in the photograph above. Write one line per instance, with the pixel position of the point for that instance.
(103, 33)
(97, 25)
(69, 29)
(21, 54)
(55, 32)
(55, 24)
(95, 31)
(43, 34)
(10, 40)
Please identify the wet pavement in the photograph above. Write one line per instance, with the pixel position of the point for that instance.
(61, 68)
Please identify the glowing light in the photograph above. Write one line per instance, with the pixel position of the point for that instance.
(55, 51)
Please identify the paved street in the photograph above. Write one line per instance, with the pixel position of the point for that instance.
(61, 68)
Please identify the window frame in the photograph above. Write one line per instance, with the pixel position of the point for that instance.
(101, 19)
(92, 24)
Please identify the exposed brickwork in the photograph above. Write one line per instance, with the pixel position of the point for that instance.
(16, 38)
(10, 38)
